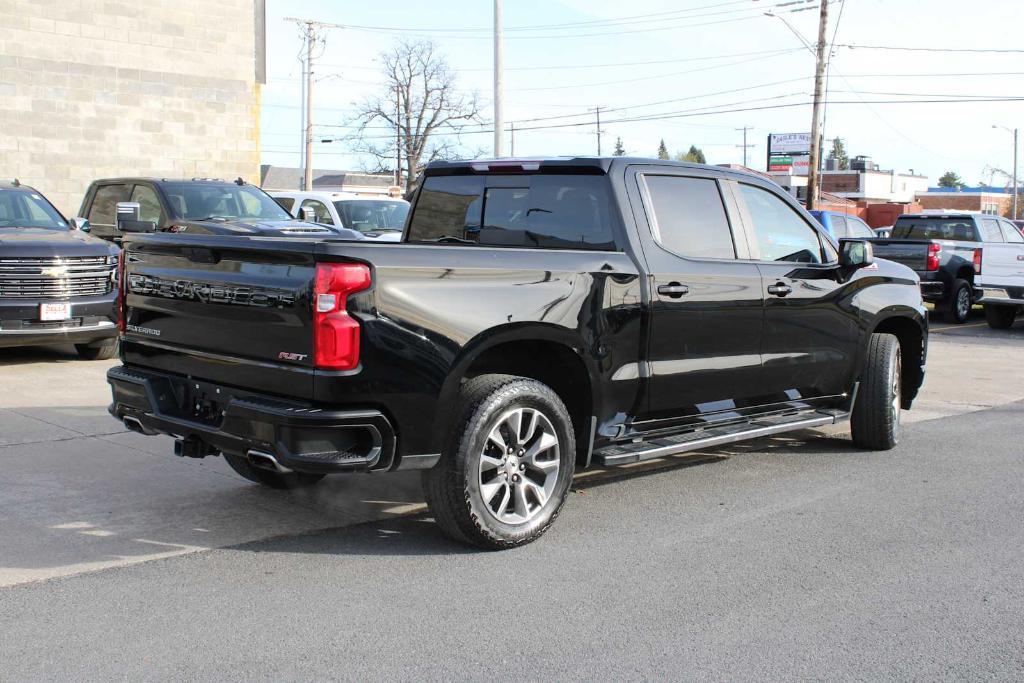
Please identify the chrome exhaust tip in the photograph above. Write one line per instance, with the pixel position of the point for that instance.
(266, 461)
(133, 424)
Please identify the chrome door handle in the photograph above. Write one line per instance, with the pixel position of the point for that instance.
(780, 289)
(673, 289)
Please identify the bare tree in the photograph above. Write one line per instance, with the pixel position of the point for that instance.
(419, 101)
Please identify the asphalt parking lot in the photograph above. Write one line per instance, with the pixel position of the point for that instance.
(792, 557)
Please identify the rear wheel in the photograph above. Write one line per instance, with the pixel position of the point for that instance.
(875, 422)
(959, 302)
(101, 350)
(506, 469)
(1000, 317)
(275, 480)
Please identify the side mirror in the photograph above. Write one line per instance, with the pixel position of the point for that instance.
(80, 223)
(128, 219)
(307, 214)
(855, 253)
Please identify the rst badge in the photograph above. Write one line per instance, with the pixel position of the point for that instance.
(287, 355)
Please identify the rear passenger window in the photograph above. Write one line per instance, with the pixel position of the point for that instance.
(990, 230)
(1011, 233)
(689, 217)
(545, 211)
(104, 204)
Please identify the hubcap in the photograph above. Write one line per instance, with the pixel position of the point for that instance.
(963, 302)
(897, 367)
(519, 465)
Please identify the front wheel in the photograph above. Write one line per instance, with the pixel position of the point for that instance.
(875, 422)
(506, 469)
(959, 302)
(1000, 317)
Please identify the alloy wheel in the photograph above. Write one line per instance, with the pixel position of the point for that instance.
(519, 465)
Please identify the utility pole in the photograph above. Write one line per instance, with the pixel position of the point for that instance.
(1016, 190)
(307, 178)
(745, 146)
(499, 120)
(813, 182)
(302, 120)
(512, 137)
(310, 30)
(597, 131)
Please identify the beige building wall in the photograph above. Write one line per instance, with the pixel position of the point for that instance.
(103, 88)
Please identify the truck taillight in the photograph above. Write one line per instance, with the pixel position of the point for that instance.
(977, 261)
(335, 333)
(933, 256)
(122, 308)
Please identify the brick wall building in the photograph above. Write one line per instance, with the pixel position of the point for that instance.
(100, 88)
(991, 200)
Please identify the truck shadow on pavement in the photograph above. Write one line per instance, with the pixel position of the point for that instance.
(415, 534)
(91, 503)
(20, 355)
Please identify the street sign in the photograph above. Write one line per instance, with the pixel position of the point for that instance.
(789, 153)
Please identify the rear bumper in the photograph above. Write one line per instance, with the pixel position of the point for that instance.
(213, 418)
(1002, 296)
(933, 291)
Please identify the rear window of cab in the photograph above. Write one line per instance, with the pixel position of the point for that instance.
(531, 211)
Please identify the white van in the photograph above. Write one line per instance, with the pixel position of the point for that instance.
(376, 218)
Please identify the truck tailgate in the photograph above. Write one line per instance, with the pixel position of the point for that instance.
(911, 253)
(228, 310)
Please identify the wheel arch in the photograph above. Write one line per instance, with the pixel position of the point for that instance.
(549, 354)
(912, 333)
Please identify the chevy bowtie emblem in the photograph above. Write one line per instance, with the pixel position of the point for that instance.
(55, 271)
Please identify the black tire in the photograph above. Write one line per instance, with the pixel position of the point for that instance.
(103, 350)
(875, 423)
(960, 302)
(1000, 317)
(454, 488)
(275, 480)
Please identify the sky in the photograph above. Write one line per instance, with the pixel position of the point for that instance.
(687, 61)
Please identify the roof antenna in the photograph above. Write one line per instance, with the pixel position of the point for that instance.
(239, 181)
(17, 183)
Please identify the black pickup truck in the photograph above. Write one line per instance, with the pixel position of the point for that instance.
(203, 206)
(57, 284)
(539, 316)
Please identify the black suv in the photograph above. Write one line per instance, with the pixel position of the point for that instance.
(539, 316)
(57, 284)
(197, 206)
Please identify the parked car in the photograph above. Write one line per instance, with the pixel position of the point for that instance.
(885, 231)
(376, 218)
(1000, 283)
(56, 282)
(841, 225)
(538, 317)
(200, 205)
(946, 251)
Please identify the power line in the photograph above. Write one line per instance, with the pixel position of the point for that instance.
(605, 65)
(928, 49)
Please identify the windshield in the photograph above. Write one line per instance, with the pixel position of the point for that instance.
(372, 215)
(27, 209)
(934, 229)
(208, 201)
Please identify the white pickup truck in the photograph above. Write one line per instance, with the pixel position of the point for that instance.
(999, 286)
